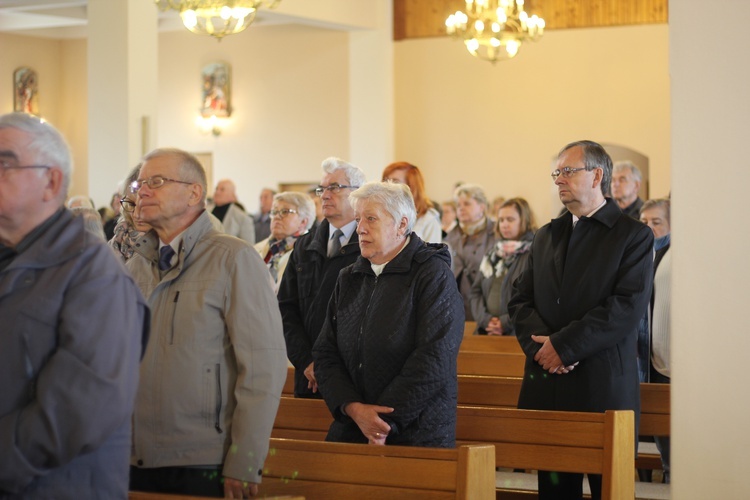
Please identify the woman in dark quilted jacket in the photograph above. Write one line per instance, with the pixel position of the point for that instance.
(385, 360)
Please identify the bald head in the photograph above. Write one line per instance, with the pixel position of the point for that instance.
(226, 192)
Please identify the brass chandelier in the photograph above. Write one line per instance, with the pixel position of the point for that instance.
(216, 18)
(494, 30)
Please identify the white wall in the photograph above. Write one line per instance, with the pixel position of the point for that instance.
(710, 341)
(462, 119)
(290, 100)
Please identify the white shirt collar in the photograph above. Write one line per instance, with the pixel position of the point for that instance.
(347, 229)
(576, 218)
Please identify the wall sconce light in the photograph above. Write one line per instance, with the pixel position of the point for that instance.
(212, 125)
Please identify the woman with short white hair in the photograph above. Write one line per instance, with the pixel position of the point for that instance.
(385, 360)
(292, 214)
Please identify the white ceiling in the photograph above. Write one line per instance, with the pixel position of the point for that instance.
(68, 18)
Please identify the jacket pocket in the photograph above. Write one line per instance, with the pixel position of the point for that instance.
(614, 356)
(213, 400)
(217, 408)
(38, 327)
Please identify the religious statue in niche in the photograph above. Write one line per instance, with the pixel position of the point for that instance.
(216, 88)
(26, 91)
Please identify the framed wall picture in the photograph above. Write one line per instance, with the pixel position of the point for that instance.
(26, 91)
(216, 90)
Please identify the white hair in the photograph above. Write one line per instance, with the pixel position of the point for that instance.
(395, 198)
(47, 146)
(302, 202)
(354, 176)
(628, 165)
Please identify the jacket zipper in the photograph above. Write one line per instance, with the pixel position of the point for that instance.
(174, 314)
(217, 423)
(361, 330)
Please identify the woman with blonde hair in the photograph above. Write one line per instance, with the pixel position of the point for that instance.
(427, 225)
(470, 239)
(500, 267)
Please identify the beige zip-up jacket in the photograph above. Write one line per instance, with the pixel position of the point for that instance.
(214, 369)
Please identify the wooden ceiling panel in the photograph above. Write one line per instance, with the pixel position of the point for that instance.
(426, 18)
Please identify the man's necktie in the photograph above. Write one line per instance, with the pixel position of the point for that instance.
(165, 257)
(336, 246)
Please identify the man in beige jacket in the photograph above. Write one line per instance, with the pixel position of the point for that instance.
(213, 372)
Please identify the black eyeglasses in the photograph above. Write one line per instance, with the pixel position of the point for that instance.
(333, 188)
(6, 165)
(154, 182)
(282, 213)
(127, 205)
(566, 172)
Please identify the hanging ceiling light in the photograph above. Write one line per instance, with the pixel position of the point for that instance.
(217, 18)
(494, 30)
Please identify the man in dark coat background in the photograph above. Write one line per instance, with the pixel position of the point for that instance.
(577, 307)
(310, 275)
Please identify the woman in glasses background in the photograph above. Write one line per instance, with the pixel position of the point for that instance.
(128, 228)
(292, 215)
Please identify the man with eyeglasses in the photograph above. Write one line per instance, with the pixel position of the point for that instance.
(73, 330)
(314, 265)
(213, 373)
(576, 309)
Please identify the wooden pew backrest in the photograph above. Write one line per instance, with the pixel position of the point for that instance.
(497, 364)
(322, 470)
(561, 441)
(491, 343)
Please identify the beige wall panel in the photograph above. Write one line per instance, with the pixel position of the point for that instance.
(710, 341)
(463, 119)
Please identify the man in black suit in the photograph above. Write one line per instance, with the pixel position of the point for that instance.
(576, 309)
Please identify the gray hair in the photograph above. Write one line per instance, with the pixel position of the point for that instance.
(354, 175)
(47, 146)
(594, 156)
(190, 168)
(81, 202)
(658, 203)
(628, 165)
(302, 202)
(471, 191)
(396, 199)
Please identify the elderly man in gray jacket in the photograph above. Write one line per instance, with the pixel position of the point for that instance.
(212, 375)
(73, 329)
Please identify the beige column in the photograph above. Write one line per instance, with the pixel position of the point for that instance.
(711, 271)
(122, 90)
(371, 94)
